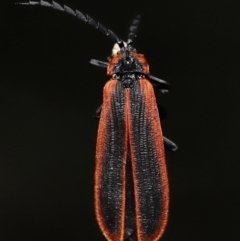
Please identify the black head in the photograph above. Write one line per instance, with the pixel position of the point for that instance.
(127, 63)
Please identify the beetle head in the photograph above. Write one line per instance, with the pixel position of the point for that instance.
(128, 63)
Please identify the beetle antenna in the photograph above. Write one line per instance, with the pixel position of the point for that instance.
(133, 28)
(78, 14)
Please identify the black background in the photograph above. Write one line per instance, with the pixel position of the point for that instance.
(49, 92)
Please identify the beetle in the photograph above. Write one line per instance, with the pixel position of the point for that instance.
(131, 188)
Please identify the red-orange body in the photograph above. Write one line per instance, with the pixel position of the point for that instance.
(119, 130)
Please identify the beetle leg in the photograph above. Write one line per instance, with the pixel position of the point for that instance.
(98, 112)
(169, 145)
(98, 63)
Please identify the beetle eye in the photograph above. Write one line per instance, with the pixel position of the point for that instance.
(120, 44)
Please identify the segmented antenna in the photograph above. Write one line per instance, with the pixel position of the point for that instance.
(133, 27)
(78, 14)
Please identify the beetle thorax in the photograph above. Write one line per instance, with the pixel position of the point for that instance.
(128, 64)
(128, 67)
